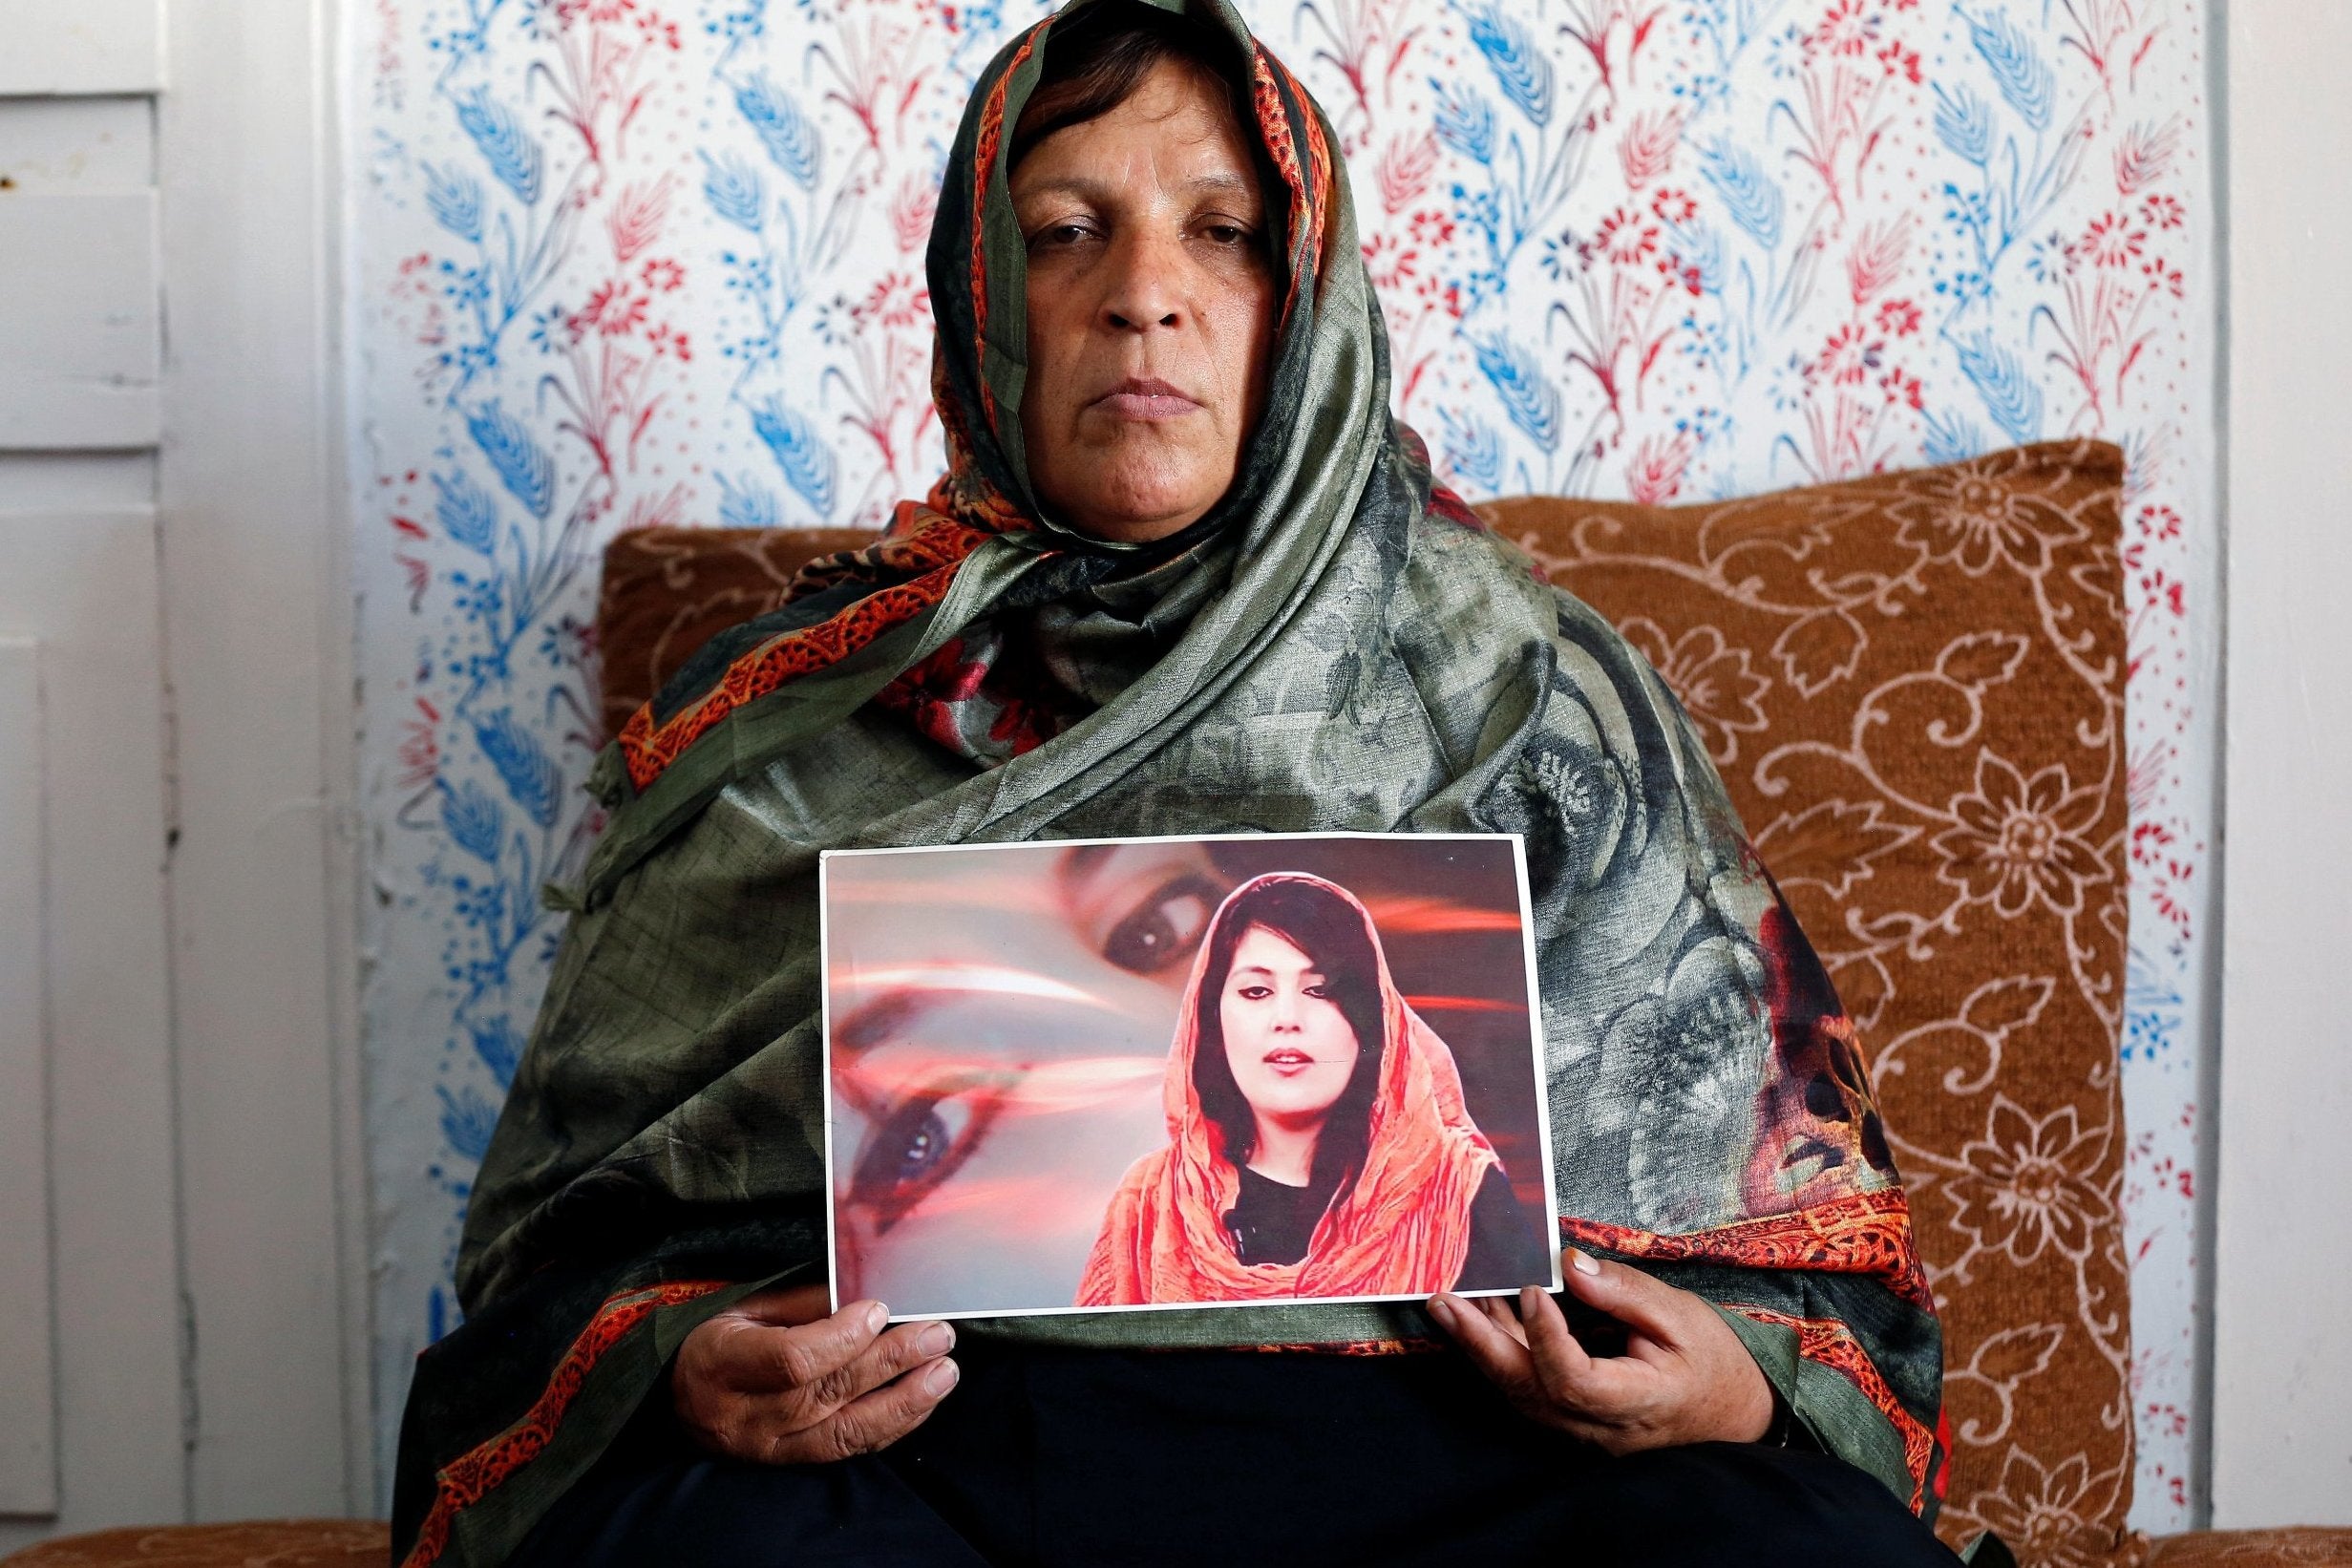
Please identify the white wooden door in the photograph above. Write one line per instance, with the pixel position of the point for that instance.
(177, 1278)
(90, 1317)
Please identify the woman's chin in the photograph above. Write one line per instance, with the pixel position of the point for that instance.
(1136, 524)
(1138, 508)
(1301, 1112)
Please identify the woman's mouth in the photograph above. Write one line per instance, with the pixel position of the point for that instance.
(1141, 399)
(1289, 1059)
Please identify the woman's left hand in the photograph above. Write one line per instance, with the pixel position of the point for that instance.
(1684, 1377)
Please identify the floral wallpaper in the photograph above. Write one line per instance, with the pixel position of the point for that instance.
(631, 262)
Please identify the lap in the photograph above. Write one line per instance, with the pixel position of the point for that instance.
(1054, 1458)
(1744, 1503)
(719, 1513)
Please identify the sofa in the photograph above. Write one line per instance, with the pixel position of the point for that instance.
(1913, 685)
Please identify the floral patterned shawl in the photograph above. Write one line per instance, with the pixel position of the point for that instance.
(1331, 648)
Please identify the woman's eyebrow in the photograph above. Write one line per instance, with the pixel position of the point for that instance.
(1088, 188)
(1220, 184)
(1076, 875)
(879, 1021)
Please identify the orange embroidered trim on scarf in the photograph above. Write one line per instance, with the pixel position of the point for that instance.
(1832, 1344)
(1283, 147)
(474, 1474)
(1863, 1233)
(983, 164)
(934, 551)
(1318, 165)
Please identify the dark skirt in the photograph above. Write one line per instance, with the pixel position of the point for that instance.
(1094, 1457)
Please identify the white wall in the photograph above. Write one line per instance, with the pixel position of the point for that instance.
(2282, 1311)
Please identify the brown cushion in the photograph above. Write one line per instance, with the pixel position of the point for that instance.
(1913, 685)
(2255, 1549)
(276, 1543)
(667, 590)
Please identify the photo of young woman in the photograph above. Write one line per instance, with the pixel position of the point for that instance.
(1317, 1144)
(1224, 1043)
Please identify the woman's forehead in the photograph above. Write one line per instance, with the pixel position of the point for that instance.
(1263, 947)
(1177, 124)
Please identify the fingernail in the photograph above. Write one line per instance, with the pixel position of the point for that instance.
(1442, 1311)
(937, 1340)
(1581, 1264)
(941, 1378)
(877, 1316)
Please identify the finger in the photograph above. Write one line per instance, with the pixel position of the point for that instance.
(1497, 1308)
(1606, 1389)
(1633, 1298)
(1498, 1355)
(900, 1349)
(763, 1358)
(1560, 1363)
(876, 1420)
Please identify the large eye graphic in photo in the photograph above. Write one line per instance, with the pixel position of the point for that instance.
(999, 1033)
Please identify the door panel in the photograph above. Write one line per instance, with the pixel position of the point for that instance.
(82, 585)
(28, 1369)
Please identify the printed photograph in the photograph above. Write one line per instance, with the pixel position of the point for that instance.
(1081, 1076)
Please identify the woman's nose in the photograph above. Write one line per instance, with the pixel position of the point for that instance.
(1285, 1010)
(1143, 276)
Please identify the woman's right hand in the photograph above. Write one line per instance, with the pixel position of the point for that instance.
(775, 1381)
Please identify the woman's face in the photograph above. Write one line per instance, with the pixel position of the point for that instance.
(1151, 308)
(1290, 1047)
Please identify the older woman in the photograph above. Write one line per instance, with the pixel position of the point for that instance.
(1185, 574)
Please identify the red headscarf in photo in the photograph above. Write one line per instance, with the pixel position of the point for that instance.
(1400, 1226)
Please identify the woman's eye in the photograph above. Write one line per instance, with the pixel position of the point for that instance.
(1164, 929)
(1227, 234)
(1256, 993)
(1057, 234)
(913, 1150)
(1318, 991)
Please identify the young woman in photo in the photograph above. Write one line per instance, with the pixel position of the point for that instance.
(1317, 1144)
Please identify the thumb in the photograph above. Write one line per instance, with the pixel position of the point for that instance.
(1633, 1298)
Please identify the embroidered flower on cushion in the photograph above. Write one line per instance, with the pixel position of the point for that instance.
(1977, 515)
(2040, 1514)
(2021, 839)
(1716, 683)
(2027, 1186)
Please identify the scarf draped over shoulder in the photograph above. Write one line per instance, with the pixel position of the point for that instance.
(1335, 646)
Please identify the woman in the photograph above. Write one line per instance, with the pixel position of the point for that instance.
(1185, 575)
(1317, 1140)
